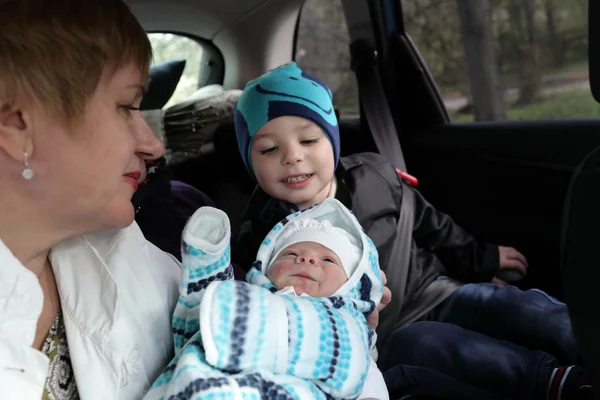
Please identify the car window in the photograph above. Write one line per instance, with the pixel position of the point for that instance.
(322, 50)
(168, 47)
(505, 59)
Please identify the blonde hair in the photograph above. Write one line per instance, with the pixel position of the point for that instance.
(54, 52)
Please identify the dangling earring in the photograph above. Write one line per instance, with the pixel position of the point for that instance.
(27, 172)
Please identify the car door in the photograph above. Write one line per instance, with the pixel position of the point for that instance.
(505, 178)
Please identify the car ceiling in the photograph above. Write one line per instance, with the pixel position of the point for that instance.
(201, 18)
(252, 35)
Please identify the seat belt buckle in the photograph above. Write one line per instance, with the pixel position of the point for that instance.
(409, 179)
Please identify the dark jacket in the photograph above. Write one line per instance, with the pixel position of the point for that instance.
(369, 185)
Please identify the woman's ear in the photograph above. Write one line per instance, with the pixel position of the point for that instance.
(16, 131)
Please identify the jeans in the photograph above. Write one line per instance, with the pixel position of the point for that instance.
(485, 341)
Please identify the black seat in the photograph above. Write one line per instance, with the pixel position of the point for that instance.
(580, 260)
(221, 175)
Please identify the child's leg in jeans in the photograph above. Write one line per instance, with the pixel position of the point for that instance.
(446, 358)
(206, 258)
(402, 380)
(529, 318)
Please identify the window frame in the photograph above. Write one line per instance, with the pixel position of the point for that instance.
(212, 56)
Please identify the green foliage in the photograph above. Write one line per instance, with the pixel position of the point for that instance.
(576, 103)
(322, 50)
(434, 27)
(168, 47)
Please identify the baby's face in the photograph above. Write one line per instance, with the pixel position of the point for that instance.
(310, 268)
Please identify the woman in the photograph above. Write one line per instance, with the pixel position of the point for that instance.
(85, 300)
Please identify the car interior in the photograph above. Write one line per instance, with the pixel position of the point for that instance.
(521, 183)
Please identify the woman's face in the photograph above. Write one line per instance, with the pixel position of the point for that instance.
(86, 174)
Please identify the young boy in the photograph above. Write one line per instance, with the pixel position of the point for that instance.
(288, 137)
(299, 333)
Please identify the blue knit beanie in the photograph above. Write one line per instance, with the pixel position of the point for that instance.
(284, 91)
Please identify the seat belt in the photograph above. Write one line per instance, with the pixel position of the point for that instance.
(381, 124)
(374, 103)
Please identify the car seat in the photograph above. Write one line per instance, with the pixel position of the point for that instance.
(580, 259)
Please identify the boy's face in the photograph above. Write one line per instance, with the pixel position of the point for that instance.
(293, 161)
(310, 268)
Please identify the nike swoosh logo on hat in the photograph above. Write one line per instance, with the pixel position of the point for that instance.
(260, 89)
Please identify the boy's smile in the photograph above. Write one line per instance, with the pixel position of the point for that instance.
(298, 181)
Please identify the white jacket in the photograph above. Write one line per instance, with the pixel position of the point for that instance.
(117, 293)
